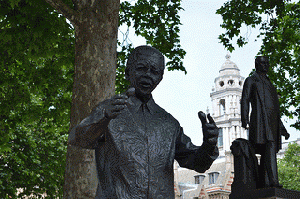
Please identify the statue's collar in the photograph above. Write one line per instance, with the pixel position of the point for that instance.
(259, 77)
(137, 103)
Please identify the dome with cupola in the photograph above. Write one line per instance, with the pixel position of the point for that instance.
(229, 67)
(229, 76)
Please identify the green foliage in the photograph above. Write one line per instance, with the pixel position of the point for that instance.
(121, 83)
(36, 69)
(279, 24)
(289, 168)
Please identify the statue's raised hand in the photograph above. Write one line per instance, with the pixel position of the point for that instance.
(117, 103)
(287, 136)
(210, 130)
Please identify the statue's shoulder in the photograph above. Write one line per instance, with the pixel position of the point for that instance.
(255, 77)
(162, 113)
(252, 78)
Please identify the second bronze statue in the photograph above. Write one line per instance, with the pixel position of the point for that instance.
(264, 124)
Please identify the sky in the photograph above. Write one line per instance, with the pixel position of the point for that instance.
(183, 96)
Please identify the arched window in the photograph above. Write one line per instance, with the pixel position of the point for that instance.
(222, 106)
(220, 138)
(230, 82)
(221, 83)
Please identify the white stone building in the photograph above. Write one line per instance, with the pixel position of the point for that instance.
(216, 182)
(226, 96)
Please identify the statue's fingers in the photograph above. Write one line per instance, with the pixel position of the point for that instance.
(118, 108)
(213, 140)
(211, 126)
(210, 119)
(202, 117)
(130, 92)
(119, 102)
(212, 133)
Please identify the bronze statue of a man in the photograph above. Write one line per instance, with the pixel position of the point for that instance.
(265, 126)
(136, 141)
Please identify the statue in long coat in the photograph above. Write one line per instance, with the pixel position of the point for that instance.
(265, 126)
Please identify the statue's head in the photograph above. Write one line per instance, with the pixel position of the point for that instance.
(145, 69)
(262, 64)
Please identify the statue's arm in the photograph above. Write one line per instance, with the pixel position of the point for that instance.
(91, 129)
(245, 103)
(194, 157)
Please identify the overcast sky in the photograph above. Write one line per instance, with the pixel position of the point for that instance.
(184, 95)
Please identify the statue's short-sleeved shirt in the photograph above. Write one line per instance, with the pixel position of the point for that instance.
(136, 151)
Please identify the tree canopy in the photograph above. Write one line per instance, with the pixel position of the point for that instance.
(289, 168)
(35, 93)
(37, 67)
(158, 22)
(279, 25)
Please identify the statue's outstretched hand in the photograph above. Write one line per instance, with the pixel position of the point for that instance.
(287, 136)
(210, 130)
(117, 103)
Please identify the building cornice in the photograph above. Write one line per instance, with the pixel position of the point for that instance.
(222, 122)
(233, 68)
(235, 119)
(228, 76)
(225, 90)
(227, 121)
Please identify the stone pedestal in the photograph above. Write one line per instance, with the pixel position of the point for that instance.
(267, 193)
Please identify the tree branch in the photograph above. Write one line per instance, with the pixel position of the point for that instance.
(64, 9)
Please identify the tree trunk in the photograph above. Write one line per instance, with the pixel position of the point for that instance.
(96, 28)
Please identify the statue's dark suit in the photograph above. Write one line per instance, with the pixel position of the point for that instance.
(135, 152)
(265, 127)
(136, 141)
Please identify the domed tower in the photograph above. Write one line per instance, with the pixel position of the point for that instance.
(226, 110)
(216, 181)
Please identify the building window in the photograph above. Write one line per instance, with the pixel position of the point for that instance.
(221, 83)
(222, 106)
(220, 138)
(230, 82)
(213, 177)
(199, 179)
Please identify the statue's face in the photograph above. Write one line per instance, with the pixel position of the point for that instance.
(146, 74)
(262, 64)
